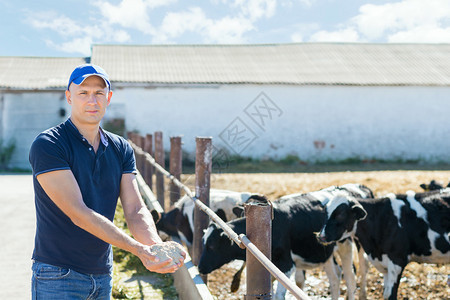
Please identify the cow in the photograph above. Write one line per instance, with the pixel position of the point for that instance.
(392, 231)
(433, 185)
(297, 219)
(179, 221)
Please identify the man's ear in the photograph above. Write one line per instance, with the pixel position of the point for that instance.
(68, 95)
(109, 97)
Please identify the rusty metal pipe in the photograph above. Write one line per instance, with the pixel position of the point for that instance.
(259, 230)
(159, 157)
(142, 159)
(148, 148)
(175, 167)
(203, 167)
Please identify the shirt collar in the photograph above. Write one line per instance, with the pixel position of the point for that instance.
(103, 136)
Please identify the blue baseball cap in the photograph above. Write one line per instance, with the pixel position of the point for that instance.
(84, 71)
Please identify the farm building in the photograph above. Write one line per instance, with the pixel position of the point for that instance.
(316, 101)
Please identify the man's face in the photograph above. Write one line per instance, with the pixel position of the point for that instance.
(88, 100)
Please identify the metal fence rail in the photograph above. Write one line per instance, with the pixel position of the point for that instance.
(241, 240)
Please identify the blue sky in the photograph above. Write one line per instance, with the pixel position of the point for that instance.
(69, 27)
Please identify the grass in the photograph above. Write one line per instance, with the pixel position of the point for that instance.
(226, 163)
(131, 279)
(293, 164)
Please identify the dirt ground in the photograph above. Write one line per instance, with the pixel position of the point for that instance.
(419, 281)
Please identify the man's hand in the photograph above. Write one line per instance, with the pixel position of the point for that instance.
(166, 257)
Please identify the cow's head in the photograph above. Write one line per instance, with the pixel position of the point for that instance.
(254, 198)
(218, 249)
(174, 223)
(433, 185)
(343, 213)
(358, 190)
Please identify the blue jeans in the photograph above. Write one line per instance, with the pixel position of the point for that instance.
(50, 283)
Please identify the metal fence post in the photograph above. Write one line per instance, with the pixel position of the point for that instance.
(175, 167)
(148, 174)
(259, 231)
(159, 157)
(130, 136)
(137, 140)
(141, 143)
(203, 167)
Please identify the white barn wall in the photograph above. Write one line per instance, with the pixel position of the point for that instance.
(316, 123)
(25, 115)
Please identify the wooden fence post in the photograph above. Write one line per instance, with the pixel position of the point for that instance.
(175, 167)
(159, 157)
(203, 167)
(259, 232)
(148, 174)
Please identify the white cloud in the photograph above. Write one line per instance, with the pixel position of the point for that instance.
(176, 24)
(424, 34)
(78, 45)
(344, 35)
(299, 31)
(402, 21)
(194, 20)
(75, 37)
(50, 20)
(158, 3)
(257, 9)
(119, 36)
(297, 38)
(132, 14)
(307, 2)
(399, 20)
(228, 30)
(291, 3)
(128, 13)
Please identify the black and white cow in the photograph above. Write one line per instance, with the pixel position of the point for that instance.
(433, 185)
(297, 219)
(179, 221)
(393, 230)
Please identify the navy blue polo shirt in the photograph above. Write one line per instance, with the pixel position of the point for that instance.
(58, 240)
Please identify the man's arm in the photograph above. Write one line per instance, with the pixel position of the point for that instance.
(62, 187)
(138, 217)
(139, 220)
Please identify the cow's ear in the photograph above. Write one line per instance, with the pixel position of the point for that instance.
(359, 212)
(238, 211)
(221, 214)
(156, 215)
(257, 198)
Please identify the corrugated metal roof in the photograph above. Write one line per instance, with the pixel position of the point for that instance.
(36, 72)
(299, 64)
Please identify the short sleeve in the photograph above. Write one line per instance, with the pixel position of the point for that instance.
(46, 155)
(129, 162)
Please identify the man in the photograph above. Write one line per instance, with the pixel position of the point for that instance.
(79, 172)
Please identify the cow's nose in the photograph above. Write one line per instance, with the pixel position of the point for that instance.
(322, 237)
